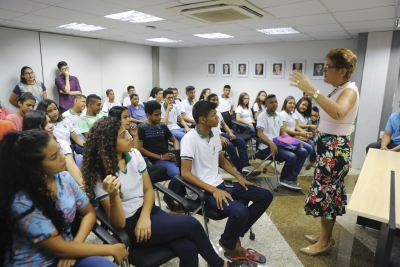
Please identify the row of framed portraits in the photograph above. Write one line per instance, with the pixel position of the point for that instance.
(259, 69)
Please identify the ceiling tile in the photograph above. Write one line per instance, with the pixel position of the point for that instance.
(370, 25)
(8, 14)
(168, 34)
(41, 20)
(319, 28)
(345, 5)
(309, 20)
(333, 34)
(167, 25)
(262, 23)
(297, 9)
(93, 6)
(366, 14)
(244, 33)
(263, 37)
(24, 6)
(236, 41)
(194, 30)
(49, 2)
(192, 22)
(336, 37)
(225, 27)
(114, 32)
(62, 13)
(272, 3)
(293, 37)
(21, 25)
(159, 10)
(384, 29)
(134, 4)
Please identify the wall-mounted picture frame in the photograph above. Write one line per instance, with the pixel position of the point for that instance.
(298, 66)
(318, 69)
(277, 69)
(260, 69)
(242, 69)
(226, 69)
(212, 68)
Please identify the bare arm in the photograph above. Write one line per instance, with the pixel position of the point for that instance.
(176, 142)
(187, 119)
(88, 220)
(239, 119)
(73, 169)
(138, 121)
(113, 206)
(44, 95)
(13, 99)
(182, 121)
(386, 137)
(77, 140)
(225, 164)
(143, 225)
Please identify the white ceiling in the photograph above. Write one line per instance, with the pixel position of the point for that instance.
(315, 19)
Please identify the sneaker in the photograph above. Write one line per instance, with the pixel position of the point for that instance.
(248, 169)
(290, 185)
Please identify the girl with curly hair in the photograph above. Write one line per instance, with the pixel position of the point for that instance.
(38, 205)
(118, 177)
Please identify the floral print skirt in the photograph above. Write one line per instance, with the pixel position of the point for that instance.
(327, 194)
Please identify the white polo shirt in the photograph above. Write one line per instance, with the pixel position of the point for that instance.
(288, 119)
(220, 120)
(300, 118)
(74, 118)
(64, 147)
(107, 106)
(271, 125)
(131, 183)
(172, 117)
(256, 108)
(187, 108)
(245, 113)
(63, 129)
(204, 155)
(225, 104)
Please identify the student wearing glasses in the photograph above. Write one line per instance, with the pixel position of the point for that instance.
(68, 86)
(243, 113)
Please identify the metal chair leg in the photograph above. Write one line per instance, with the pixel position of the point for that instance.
(158, 197)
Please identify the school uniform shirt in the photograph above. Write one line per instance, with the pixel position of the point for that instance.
(204, 154)
(35, 226)
(86, 122)
(271, 125)
(35, 89)
(64, 147)
(74, 118)
(225, 104)
(131, 183)
(256, 108)
(187, 108)
(17, 121)
(173, 115)
(151, 99)
(245, 113)
(288, 119)
(107, 106)
(220, 120)
(178, 103)
(63, 129)
(300, 118)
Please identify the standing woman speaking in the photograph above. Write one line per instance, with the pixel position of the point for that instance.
(327, 194)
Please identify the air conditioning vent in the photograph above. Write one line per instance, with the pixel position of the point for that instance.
(221, 11)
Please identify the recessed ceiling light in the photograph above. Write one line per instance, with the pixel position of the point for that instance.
(134, 17)
(163, 40)
(216, 35)
(81, 27)
(273, 31)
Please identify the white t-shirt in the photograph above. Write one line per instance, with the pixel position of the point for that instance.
(63, 130)
(107, 106)
(74, 118)
(151, 99)
(172, 117)
(245, 113)
(204, 155)
(271, 126)
(187, 108)
(220, 120)
(64, 147)
(225, 104)
(131, 183)
(256, 108)
(289, 120)
(300, 118)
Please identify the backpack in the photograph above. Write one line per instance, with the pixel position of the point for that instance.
(287, 142)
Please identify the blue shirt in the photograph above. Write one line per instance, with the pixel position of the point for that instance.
(35, 226)
(393, 126)
(138, 113)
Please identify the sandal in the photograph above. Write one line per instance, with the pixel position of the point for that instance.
(255, 256)
(176, 211)
(243, 261)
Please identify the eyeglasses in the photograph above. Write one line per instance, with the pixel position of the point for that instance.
(65, 69)
(327, 67)
(29, 73)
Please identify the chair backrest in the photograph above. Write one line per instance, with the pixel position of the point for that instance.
(227, 118)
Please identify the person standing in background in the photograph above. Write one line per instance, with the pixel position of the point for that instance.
(68, 86)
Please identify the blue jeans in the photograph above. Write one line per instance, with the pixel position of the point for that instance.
(240, 217)
(238, 161)
(174, 185)
(78, 148)
(183, 234)
(91, 261)
(178, 133)
(78, 159)
(294, 161)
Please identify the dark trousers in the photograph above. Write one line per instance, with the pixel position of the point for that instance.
(238, 161)
(377, 145)
(240, 217)
(183, 234)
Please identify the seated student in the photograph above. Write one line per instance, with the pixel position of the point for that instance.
(243, 113)
(68, 86)
(230, 142)
(26, 102)
(187, 106)
(153, 92)
(158, 95)
(201, 154)
(269, 126)
(152, 142)
(93, 113)
(289, 126)
(302, 114)
(76, 112)
(177, 100)
(37, 119)
(391, 137)
(127, 100)
(259, 103)
(136, 110)
(226, 102)
(170, 115)
(315, 116)
(5, 127)
(40, 203)
(3, 112)
(204, 94)
(111, 101)
(129, 199)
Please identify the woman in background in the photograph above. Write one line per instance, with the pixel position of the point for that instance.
(26, 102)
(259, 103)
(243, 113)
(205, 93)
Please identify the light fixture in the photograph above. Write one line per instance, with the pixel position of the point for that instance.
(273, 31)
(163, 40)
(81, 27)
(134, 17)
(216, 35)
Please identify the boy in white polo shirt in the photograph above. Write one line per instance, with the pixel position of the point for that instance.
(187, 106)
(201, 155)
(226, 102)
(269, 126)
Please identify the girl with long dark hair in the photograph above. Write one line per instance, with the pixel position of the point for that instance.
(26, 102)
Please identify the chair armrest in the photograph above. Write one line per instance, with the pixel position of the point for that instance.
(200, 193)
(240, 124)
(181, 200)
(118, 233)
(104, 235)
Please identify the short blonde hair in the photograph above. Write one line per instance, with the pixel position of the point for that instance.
(343, 58)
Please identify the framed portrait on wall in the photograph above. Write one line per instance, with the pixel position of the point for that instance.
(212, 68)
(277, 69)
(318, 69)
(226, 69)
(259, 69)
(242, 69)
(298, 66)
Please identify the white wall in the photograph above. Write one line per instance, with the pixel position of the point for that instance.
(166, 67)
